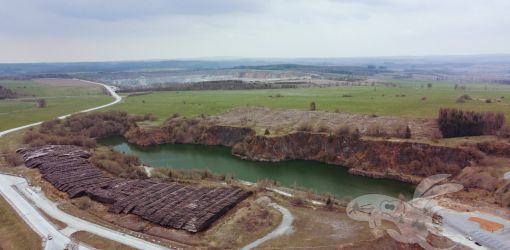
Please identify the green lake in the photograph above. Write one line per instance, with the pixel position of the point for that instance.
(321, 177)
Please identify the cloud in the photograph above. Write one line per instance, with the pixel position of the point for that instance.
(49, 30)
(135, 9)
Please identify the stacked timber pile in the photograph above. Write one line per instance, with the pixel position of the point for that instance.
(168, 204)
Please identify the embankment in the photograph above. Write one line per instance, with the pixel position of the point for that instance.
(401, 160)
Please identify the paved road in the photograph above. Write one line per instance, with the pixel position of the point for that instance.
(30, 214)
(10, 185)
(22, 200)
(110, 90)
(284, 227)
(458, 222)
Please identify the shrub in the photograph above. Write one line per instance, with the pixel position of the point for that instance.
(407, 134)
(377, 130)
(398, 131)
(504, 132)
(297, 200)
(267, 132)
(13, 159)
(456, 122)
(346, 95)
(83, 202)
(118, 164)
(464, 98)
(305, 127)
(323, 129)
(356, 135)
(41, 103)
(343, 130)
(312, 106)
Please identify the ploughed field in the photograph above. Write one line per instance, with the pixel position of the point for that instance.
(407, 99)
(187, 207)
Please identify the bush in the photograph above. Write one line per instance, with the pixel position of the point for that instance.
(305, 127)
(356, 135)
(407, 134)
(504, 132)
(118, 164)
(83, 203)
(464, 98)
(456, 122)
(41, 103)
(13, 159)
(323, 129)
(267, 132)
(344, 130)
(313, 107)
(297, 200)
(377, 130)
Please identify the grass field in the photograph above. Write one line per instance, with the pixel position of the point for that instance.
(14, 233)
(378, 100)
(60, 98)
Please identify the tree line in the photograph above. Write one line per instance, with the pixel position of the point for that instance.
(456, 122)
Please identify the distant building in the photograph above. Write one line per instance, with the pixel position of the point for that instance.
(487, 225)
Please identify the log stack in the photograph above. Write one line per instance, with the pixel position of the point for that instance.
(174, 205)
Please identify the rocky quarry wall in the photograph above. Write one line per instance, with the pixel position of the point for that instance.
(399, 159)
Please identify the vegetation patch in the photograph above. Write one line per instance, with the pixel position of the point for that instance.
(14, 233)
(6, 93)
(99, 242)
(456, 122)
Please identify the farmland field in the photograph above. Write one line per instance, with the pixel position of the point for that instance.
(62, 97)
(409, 100)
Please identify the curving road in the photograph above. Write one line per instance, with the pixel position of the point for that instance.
(284, 227)
(24, 200)
(110, 90)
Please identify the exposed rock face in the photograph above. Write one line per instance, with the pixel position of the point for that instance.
(168, 204)
(401, 160)
(386, 157)
(495, 148)
(226, 136)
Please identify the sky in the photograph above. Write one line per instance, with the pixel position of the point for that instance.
(99, 30)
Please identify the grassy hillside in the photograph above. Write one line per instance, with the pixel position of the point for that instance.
(413, 100)
(61, 98)
(14, 233)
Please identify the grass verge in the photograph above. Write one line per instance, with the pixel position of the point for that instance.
(99, 242)
(14, 233)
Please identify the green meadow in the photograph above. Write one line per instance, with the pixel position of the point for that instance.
(60, 100)
(410, 99)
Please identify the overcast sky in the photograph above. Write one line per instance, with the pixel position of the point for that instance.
(90, 30)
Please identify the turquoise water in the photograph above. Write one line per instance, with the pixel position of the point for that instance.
(320, 177)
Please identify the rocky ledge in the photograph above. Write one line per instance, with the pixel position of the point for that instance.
(402, 160)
